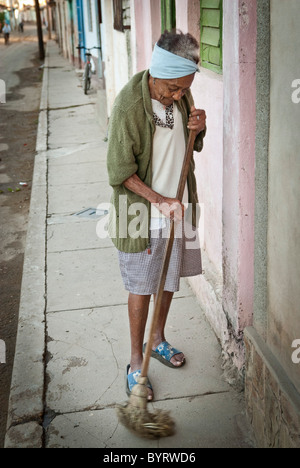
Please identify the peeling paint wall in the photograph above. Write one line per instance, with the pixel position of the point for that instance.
(207, 91)
(239, 160)
(225, 173)
(116, 49)
(146, 32)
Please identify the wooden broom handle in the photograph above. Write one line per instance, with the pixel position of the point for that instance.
(168, 251)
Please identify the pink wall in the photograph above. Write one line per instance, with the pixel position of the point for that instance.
(239, 159)
(248, 31)
(207, 90)
(187, 16)
(148, 29)
(208, 95)
(225, 170)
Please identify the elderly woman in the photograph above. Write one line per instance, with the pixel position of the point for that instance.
(148, 134)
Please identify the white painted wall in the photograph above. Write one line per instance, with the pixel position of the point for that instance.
(107, 52)
(121, 68)
(133, 40)
(115, 48)
(91, 37)
(207, 91)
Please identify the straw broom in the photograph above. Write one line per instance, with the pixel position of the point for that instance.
(134, 415)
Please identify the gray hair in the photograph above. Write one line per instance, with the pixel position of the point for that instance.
(184, 45)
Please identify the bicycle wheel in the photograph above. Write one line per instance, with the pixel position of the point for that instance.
(85, 80)
(89, 79)
(89, 83)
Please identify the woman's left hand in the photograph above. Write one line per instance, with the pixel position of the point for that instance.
(197, 120)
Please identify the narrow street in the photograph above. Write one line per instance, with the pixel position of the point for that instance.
(19, 68)
(73, 348)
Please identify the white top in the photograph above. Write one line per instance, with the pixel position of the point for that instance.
(6, 29)
(167, 159)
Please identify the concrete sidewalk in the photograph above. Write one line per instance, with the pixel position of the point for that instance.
(73, 337)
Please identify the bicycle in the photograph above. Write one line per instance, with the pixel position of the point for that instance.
(87, 74)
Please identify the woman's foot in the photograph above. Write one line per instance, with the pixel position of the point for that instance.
(166, 354)
(135, 370)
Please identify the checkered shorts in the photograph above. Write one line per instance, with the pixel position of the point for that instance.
(141, 271)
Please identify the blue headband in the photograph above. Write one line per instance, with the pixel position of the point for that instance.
(166, 66)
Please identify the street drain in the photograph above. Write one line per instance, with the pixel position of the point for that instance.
(91, 213)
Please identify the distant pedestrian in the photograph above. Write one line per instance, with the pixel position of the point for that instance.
(6, 31)
(21, 26)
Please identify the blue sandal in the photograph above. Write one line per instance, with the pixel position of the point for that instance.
(132, 380)
(164, 353)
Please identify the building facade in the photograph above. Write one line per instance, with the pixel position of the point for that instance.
(78, 24)
(248, 176)
(248, 187)
(272, 343)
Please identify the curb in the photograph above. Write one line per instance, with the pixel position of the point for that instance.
(26, 400)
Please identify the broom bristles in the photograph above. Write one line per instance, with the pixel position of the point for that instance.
(135, 416)
(144, 424)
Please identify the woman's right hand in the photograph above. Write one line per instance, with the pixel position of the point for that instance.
(171, 208)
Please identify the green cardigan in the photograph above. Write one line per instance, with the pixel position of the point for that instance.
(130, 137)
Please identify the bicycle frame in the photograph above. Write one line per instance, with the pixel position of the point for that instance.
(87, 75)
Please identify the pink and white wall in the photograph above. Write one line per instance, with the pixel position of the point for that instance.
(208, 95)
(225, 173)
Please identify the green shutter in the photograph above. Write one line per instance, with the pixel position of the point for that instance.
(211, 3)
(211, 23)
(168, 15)
(211, 18)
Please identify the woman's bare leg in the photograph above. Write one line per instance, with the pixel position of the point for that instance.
(159, 336)
(138, 307)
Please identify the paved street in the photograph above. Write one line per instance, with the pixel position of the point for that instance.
(19, 68)
(16, 56)
(73, 337)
